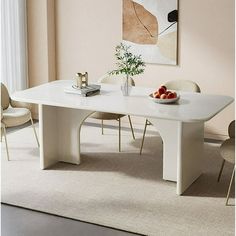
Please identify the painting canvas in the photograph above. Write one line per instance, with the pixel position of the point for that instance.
(150, 28)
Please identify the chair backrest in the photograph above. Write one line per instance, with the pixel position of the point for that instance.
(183, 85)
(113, 79)
(5, 98)
(231, 129)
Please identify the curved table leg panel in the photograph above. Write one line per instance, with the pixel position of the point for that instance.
(59, 130)
(169, 131)
(182, 151)
(190, 160)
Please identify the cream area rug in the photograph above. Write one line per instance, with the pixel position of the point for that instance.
(121, 190)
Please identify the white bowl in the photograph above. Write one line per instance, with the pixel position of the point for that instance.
(164, 101)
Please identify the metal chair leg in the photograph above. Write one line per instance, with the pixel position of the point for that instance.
(5, 136)
(221, 169)
(132, 130)
(32, 124)
(119, 135)
(230, 184)
(144, 132)
(102, 127)
(1, 133)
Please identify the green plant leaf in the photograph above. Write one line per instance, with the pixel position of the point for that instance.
(127, 63)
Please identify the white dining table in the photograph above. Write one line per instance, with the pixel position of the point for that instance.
(181, 124)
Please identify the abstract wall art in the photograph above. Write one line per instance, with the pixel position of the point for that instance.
(150, 28)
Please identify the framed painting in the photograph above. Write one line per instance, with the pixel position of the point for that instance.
(150, 28)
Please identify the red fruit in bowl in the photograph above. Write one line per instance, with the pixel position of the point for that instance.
(161, 90)
(175, 94)
(163, 96)
(164, 87)
(154, 94)
(171, 95)
(167, 92)
(157, 95)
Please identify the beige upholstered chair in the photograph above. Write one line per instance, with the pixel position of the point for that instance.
(179, 85)
(227, 151)
(112, 79)
(13, 113)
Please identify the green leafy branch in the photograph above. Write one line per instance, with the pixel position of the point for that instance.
(127, 62)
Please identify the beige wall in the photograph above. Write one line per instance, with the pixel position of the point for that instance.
(88, 31)
(41, 43)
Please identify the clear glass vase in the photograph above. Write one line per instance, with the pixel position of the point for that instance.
(126, 85)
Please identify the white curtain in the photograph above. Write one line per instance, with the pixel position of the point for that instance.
(14, 71)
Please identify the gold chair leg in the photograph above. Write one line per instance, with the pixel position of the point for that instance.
(119, 134)
(32, 124)
(131, 126)
(102, 127)
(144, 132)
(230, 184)
(1, 133)
(221, 169)
(5, 136)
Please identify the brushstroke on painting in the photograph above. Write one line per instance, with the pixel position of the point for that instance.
(150, 27)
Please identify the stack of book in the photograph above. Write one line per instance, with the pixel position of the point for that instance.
(89, 90)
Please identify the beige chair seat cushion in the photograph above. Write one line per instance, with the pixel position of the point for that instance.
(15, 116)
(106, 116)
(20, 104)
(231, 129)
(110, 79)
(227, 150)
(5, 98)
(183, 85)
(114, 79)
